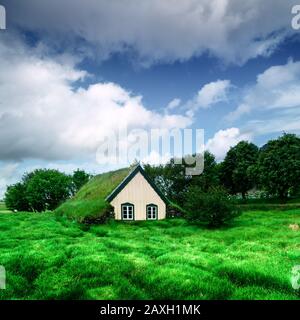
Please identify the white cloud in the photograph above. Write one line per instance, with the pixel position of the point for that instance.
(209, 95)
(241, 110)
(160, 31)
(154, 158)
(277, 87)
(274, 99)
(173, 104)
(276, 124)
(212, 93)
(46, 113)
(223, 140)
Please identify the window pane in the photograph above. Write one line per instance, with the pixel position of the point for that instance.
(151, 212)
(127, 212)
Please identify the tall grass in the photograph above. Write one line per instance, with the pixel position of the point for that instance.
(80, 210)
(50, 257)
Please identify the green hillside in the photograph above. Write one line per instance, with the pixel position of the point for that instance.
(89, 202)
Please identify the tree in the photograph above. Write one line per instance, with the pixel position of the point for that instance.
(209, 177)
(46, 189)
(40, 190)
(80, 178)
(15, 197)
(171, 179)
(278, 166)
(235, 169)
(211, 209)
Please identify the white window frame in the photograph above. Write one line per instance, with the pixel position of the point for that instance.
(152, 211)
(129, 215)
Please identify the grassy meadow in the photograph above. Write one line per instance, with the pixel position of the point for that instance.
(47, 256)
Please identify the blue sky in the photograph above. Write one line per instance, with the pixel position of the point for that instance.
(72, 70)
(161, 83)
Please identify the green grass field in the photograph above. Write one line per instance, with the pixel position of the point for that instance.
(269, 204)
(50, 257)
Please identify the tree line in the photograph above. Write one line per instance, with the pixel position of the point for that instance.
(274, 169)
(43, 189)
(209, 199)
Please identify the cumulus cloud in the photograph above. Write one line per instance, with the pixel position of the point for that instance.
(275, 96)
(212, 93)
(278, 87)
(209, 95)
(155, 158)
(223, 140)
(160, 31)
(173, 104)
(47, 113)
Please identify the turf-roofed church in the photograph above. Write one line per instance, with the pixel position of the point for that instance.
(138, 198)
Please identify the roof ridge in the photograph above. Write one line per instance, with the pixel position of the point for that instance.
(123, 181)
(137, 168)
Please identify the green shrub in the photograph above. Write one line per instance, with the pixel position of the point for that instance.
(212, 209)
(47, 189)
(39, 190)
(278, 166)
(79, 179)
(15, 198)
(174, 210)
